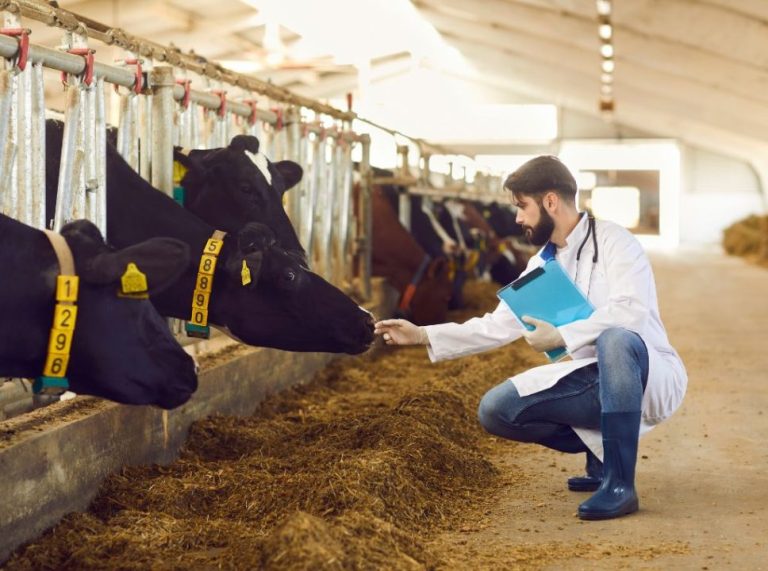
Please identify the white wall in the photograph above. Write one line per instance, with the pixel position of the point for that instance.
(715, 192)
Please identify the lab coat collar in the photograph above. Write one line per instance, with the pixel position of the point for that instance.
(573, 240)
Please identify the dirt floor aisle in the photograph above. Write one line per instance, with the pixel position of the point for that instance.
(702, 476)
(379, 463)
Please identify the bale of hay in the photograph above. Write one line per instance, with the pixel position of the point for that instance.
(748, 238)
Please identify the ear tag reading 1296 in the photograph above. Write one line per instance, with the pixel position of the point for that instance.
(245, 274)
(54, 380)
(201, 296)
(133, 283)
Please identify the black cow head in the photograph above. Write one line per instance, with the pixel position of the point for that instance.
(122, 349)
(265, 261)
(284, 305)
(230, 186)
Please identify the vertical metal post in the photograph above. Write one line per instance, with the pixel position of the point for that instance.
(315, 177)
(25, 152)
(100, 151)
(327, 207)
(343, 259)
(68, 167)
(162, 128)
(38, 148)
(145, 106)
(292, 198)
(365, 217)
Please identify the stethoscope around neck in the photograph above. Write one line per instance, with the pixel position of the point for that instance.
(593, 232)
(590, 231)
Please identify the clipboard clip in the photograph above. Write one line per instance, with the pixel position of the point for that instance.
(527, 278)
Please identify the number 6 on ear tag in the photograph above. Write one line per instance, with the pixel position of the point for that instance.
(245, 274)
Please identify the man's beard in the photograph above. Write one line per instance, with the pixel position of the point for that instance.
(539, 235)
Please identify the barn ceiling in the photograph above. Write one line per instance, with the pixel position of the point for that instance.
(694, 70)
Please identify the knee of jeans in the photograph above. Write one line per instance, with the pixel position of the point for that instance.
(615, 339)
(491, 415)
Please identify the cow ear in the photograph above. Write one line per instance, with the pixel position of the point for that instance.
(255, 236)
(290, 171)
(242, 143)
(161, 260)
(191, 160)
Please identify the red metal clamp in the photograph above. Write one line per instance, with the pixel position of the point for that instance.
(279, 122)
(138, 84)
(23, 35)
(186, 84)
(223, 105)
(254, 116)
(87, 73)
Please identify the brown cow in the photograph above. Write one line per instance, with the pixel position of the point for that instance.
(501, 251)
(397, 257)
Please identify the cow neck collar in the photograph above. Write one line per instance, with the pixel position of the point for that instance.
(63, 253)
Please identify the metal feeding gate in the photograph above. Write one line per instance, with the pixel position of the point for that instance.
(147, 106)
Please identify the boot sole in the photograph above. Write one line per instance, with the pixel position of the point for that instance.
(625, 510)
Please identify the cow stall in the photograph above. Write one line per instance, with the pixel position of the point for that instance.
(143, 99)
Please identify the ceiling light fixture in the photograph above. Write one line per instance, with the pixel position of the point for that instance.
(607, 53)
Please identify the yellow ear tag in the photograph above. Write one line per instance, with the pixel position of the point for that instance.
(245, 274)
(179, 171)
(133, 282)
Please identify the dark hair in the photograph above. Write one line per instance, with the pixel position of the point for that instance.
(541, 175)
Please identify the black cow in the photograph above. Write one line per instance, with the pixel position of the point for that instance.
(289, 308)
(122, 349)
(229, 187)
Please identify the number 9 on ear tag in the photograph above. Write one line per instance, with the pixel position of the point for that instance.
(245, 274)
(133, 283)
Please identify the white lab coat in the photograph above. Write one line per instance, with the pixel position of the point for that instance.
(623, 291)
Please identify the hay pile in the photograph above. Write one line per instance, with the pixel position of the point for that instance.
(748, 238)
(355, 470)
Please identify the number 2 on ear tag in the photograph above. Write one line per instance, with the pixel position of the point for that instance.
(245, 274)
(133, 281)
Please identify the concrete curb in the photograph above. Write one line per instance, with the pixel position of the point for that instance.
(53, 462)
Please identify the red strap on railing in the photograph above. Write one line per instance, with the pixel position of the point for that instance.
(186, 84)
(223, 99)
(254, 116)
(87, 73)
(23, 35)
(138, 84)
(279, 122)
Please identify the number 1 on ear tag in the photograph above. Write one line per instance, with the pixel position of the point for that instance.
(133, 281)
(245, 274)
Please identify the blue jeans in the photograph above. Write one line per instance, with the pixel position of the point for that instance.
(614, 384)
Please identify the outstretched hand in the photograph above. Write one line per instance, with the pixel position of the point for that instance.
(401, 332)
(545, 337)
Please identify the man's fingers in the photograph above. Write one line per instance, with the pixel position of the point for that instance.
(530, 320)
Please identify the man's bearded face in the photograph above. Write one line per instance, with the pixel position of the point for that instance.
(539, 235)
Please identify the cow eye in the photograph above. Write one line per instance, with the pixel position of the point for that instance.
(289, 276)
(245, 187)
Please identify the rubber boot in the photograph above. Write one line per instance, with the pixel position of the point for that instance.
(616, 495)
(592, 480)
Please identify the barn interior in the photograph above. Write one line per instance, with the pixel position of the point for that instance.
(312, 460)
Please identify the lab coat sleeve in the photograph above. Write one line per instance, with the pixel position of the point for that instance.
(630, 289)
(453, 340)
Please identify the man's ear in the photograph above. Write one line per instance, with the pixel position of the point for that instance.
(551, 201)
(290, 171)
(161, 260)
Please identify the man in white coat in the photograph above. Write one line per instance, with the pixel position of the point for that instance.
(623, 378)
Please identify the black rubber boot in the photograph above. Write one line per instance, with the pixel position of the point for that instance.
(616, 496)
(592, 480)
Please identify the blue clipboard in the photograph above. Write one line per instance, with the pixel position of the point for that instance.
(549, 294)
